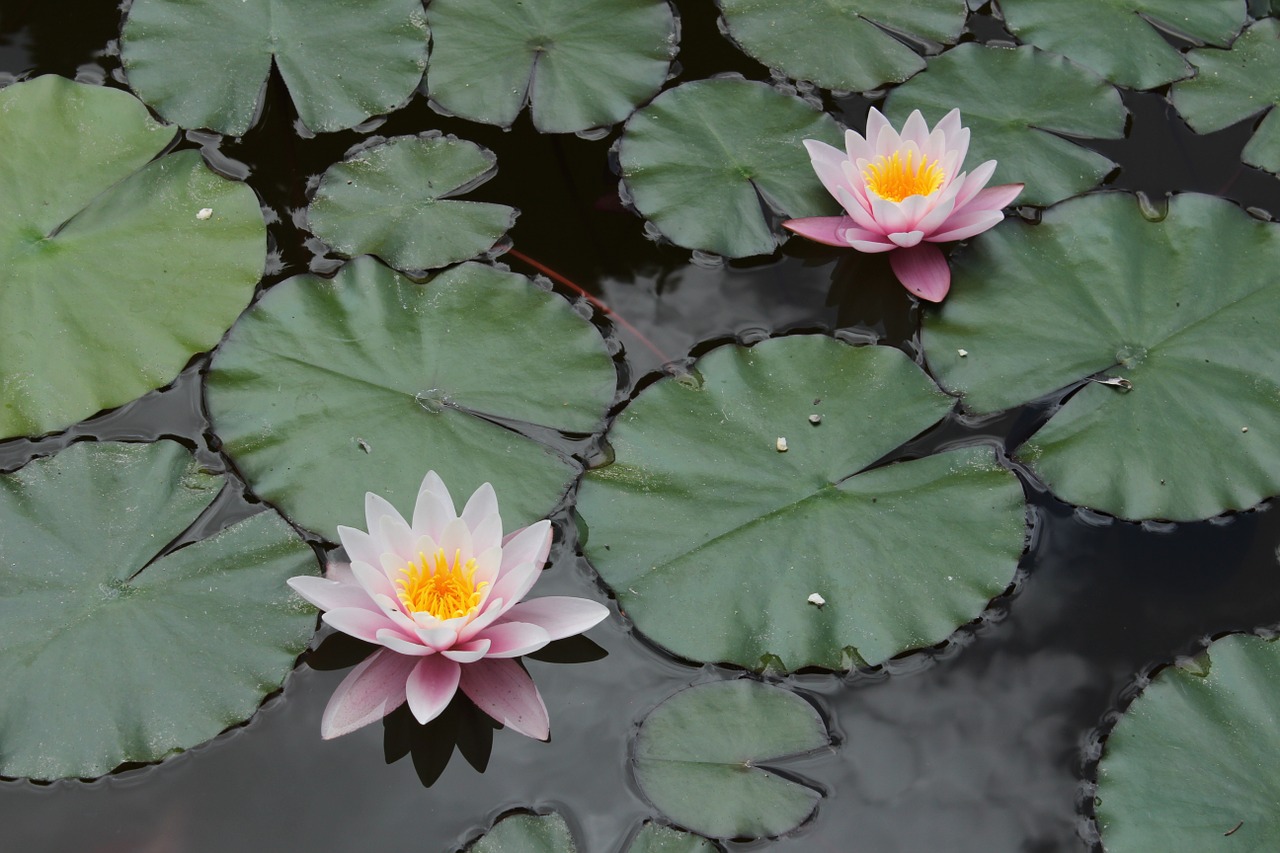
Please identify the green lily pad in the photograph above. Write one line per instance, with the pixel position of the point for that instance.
(1019, 104)
(527, 833)
(698, 758)
(394, 200)
(1184, 308)
(579, 64)
(706, 159)
(841, 44)
(713, 540)
(1190, 766)
(327, 389)
(1118, 38)
(113, 651)
(1232, 85)
(204, 63)
(110, 280)
(654, 838)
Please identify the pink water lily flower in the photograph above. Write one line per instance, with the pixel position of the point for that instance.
(442, 597)
(904, 192)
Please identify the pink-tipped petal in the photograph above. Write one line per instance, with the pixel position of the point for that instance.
(826, 164)
(889, 215)
(433, 485)
(494, 608)
(856, 147)
(872, 247)
(515, 582)
(398, 538)
(961, 226)
(359, 623)
(949, 125)
(915, 130)
(923, 271)
(863, 218)
(820, 229)
(482, 504)
(994, 198)
(505, 692)
(468, 652)
(958, 146)
(359, 545)
(513, 639)
(439, 637)
(527, 545)
(331, 595)
(431, 513)
(559, 615)
(876, 124)
(377, 508)
(886, 141)
(375, 688)
(487, 534)
(430, 686)
(397, 643)
(913, 208)
(374, 581)
(973, 183)
(906, 239)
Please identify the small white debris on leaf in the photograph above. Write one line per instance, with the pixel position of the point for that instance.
(816, 600)
(205, 213)
(1244, 429)
(781, 445)
(962, 352)
(815, 419)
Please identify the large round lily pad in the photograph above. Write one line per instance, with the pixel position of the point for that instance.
(698, 758)
(841, 44)
(395, 200)
(111, 277)
(579, 64)
(706, 159)
(204, 63)
(527, 833)
(327, 389)
(111, 652)
(1118, 38)
(1231, 85)
(1190, 766)
(1019, 104)
(714, 541)
(1185, 309)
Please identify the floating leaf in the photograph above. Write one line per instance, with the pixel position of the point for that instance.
(111, 275)
(112, 650)
(1232, 85)
(394, 200)
(841, 44)
(1019, 104)
(654, 838)
(1119, 39)
(1184, 308)
(204, 63)
(327, 389)
(580, 64)
(698, 758)
(1191, 763)
(527, 833)
(705, 160)
(713, 540)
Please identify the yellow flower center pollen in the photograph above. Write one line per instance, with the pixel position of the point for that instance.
(894, 178)
(439, 586)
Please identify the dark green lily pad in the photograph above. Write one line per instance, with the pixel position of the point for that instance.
(112, 651)
(204, 63)
(654, 838)
(1232, 85)
(1019, 104)
(1118, 38)
(699, 758)
(579, 64)
(706, 159)
(395, 200)
(327, 389)
(110, 279)
(841, 44)
(713, 540)
(1185, 309)
(527, 833)
(1190, 766)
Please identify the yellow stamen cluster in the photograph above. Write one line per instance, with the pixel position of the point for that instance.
(439, 586)
(894, 178)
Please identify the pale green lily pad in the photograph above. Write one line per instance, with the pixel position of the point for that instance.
(706, 159)
(698, 758)
(395, 200)
(579, 64)
(1234, 84)
(654, 838)
(1190, 766)
(110, 280)
(1019, 103)
(713, 540)
(110, 653)
(204, 63)
(1118, 38)
(1185, 309)
(527, 833)
(327, 389)
(841, 44)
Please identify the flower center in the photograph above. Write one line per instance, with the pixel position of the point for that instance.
(894, 178)
(444, 588)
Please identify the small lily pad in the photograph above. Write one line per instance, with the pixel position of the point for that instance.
(846, 45)
(327, 389)
(715, 540)
(1182, 308)
(395, 200)
(204, 63)
(1190, 766)
(654, 838)
(699, 758)
(113, 650)
(579, 64)
(527, 833)
(1022, 107)
(706, 160)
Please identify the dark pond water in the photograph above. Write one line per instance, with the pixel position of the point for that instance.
(980, 745)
